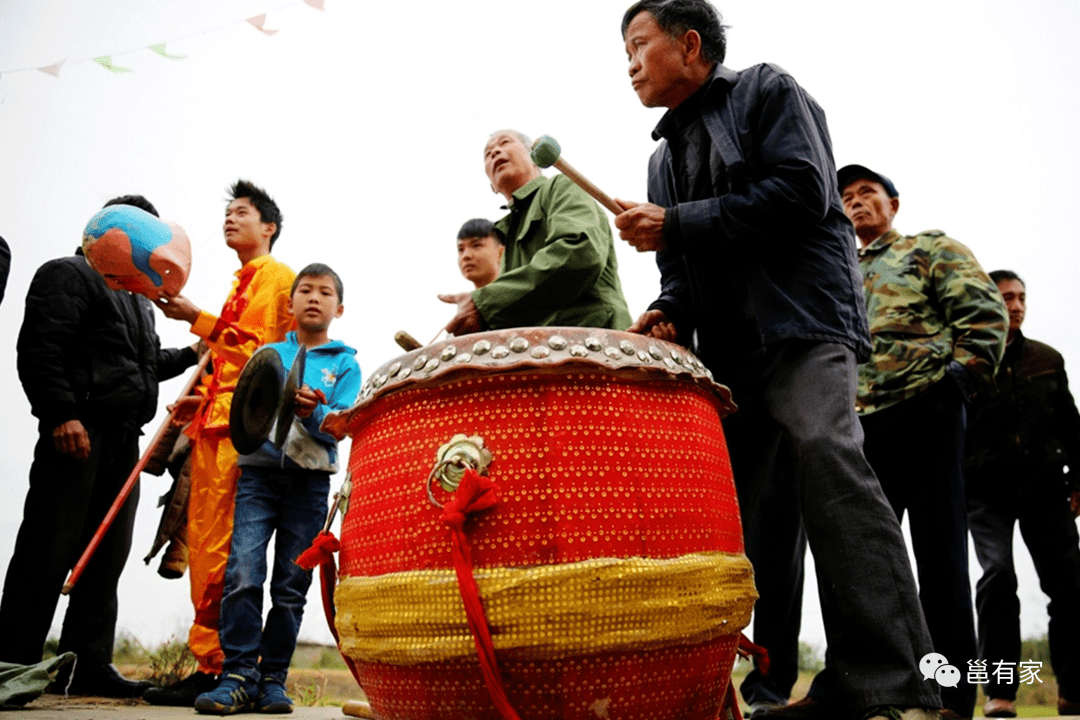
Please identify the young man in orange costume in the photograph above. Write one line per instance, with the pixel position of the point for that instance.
(256, 313)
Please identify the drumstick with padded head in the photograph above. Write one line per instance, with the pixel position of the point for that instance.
(406, 341)
(546, 153)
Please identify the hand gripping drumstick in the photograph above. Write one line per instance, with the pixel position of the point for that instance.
(546, 153)
(129, 485)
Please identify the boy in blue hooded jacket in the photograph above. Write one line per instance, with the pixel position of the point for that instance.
(283, 491)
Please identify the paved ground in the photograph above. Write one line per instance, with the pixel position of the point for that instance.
(55, 707)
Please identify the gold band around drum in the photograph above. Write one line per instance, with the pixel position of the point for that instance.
(548, 611)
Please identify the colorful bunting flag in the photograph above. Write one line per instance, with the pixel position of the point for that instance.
(106, 62)
(258, 22)
(160, 50)
(53, 70)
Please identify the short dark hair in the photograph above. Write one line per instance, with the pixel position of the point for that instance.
(319, 270)
(999, 275)
(676, 17)
(135, 201)
(478, 228)
(268, 209)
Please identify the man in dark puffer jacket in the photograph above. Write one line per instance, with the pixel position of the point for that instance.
(89, 360)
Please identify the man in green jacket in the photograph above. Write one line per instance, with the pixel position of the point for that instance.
(560, 266)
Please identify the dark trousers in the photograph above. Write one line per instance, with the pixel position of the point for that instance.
(1049, 531)
(799, 396)
(916, 448)
(66, 502)
(776, 545)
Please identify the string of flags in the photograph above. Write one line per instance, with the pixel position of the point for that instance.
(106, 61)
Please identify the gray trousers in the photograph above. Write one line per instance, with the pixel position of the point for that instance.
(798, 396)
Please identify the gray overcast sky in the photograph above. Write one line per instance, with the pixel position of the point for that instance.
(367, 126)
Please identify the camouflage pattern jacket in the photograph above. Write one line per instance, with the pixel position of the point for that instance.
(932, 310)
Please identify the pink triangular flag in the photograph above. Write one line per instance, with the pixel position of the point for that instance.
(53, 70)
(258, 21)
(317, 4)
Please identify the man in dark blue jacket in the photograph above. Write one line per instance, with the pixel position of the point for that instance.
(759, 276)
(89, 360)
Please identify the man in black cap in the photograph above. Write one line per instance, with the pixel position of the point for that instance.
(938, 327)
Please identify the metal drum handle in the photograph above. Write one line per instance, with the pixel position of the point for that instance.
(451, 461)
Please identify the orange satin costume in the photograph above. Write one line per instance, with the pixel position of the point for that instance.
(256, 313)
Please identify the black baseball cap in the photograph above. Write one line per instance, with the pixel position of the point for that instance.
(850, 173)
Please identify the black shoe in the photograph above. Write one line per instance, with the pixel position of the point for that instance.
(759, 710)
(183, 693)
(1068, 707)
(97, 680)
(805, 709)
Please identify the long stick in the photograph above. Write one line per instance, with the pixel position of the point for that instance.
(125, 491)
(585, 184)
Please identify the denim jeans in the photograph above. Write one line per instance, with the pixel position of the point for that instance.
(291, 505)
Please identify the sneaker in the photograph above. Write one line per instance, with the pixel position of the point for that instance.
(234, 694)
(888, 712)
(183, 693)
(272, 698)
(999, 707)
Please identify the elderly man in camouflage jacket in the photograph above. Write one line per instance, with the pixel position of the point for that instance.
(938, 327)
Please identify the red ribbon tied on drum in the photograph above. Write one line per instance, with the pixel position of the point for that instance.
(474, 495)
(322, 550)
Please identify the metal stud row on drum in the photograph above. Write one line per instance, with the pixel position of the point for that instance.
(517, 349)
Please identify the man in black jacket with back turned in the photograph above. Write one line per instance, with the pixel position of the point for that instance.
(89, 361)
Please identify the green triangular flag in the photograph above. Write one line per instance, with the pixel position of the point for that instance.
(160, 50)
(106, 62)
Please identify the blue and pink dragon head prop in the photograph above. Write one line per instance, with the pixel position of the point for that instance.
(136, 251)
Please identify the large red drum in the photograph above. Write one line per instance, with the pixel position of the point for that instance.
(612, 570)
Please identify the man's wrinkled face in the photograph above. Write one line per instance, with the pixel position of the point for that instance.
(869, 207)
(657, 61)
(1015, 296)
(507, 163)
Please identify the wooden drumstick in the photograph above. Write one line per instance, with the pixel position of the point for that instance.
(406, 341)
(357, 708)
(546, 152)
